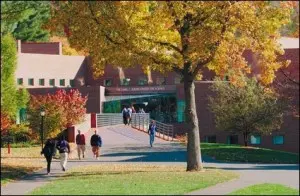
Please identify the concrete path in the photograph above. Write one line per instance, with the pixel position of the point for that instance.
(123, 145)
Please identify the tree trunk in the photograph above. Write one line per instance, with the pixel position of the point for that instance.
(245, 139)
(194, 160)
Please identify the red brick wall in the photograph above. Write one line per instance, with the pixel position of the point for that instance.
(40, 47)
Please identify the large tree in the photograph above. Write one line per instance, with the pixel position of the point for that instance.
(176, 36)
(246, 110)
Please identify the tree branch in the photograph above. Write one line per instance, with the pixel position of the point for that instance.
(164, 44)
(290, 79)
(176, 21)
(104, 33)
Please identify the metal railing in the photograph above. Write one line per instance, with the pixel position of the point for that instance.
(139, 121)
(108, 119)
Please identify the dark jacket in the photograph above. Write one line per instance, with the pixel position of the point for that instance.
(63, 146)
(96, 140)
(152, 129)
(49, 148)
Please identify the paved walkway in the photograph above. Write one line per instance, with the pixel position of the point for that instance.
(121, 144)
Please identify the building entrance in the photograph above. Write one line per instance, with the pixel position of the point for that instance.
(162, 107)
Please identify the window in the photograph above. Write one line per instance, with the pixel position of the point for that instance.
(142, 81)
(107, 82)
(30, 82)
(42, 82)
(125, 81)
(232, 139)
(52, 82)
(161, 81)
(255, 139)
(210, 139)
(20, 81)
(180, 111)
(72, 84)
(177, 80)
(278, 139)
(62, 82)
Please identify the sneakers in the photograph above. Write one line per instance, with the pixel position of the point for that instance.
(83, 156)
(63, 169)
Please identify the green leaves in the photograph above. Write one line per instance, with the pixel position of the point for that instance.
(248, 109)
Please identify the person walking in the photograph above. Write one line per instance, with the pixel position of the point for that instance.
(124, 112)
(129, 111)
(151, 132)
(80, 141)
(48, 152)
(64, 149)
(96, 143)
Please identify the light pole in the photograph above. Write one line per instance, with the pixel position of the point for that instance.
(42, 126)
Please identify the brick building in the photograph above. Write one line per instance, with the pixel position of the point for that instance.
(43, 69)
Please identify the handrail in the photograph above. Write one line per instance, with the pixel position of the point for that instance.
(139, 121)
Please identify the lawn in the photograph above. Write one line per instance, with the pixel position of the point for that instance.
(237, 153)
(266, 189)
(20, 162)
(132, 179)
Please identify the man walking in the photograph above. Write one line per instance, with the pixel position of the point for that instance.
(80, 141)
(64, 148)
(151, 132)
(96, 143)
(125, 112)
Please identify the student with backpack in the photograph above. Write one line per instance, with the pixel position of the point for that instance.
(48, 151)
(96, 143)
(151, 132)
(64, 148)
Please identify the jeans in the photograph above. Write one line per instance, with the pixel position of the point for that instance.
(152, 136)
(49, 159)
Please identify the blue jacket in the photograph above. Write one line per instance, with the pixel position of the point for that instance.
(96, 140)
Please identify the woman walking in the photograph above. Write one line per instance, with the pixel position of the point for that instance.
(48, 152)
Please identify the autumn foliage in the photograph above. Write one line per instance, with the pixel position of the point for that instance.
(62, 109)
(6, 122)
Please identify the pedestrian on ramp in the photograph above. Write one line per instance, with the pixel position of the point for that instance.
(96, 143)
(151, 132)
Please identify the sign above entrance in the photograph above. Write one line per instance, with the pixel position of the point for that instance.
(140, 89)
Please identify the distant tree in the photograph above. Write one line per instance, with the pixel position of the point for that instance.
(24, 19)
(66, 48)
(61, 110)
(30, 29)
(248, 109)
(180, 36)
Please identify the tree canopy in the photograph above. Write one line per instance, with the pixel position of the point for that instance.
(246, 110)
(24, 19)
(177, 36)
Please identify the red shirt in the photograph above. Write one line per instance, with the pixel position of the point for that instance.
(80, 139)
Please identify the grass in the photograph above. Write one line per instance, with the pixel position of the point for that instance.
(266, 189)
(237, 153)
(132, 179)
(21, 161)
